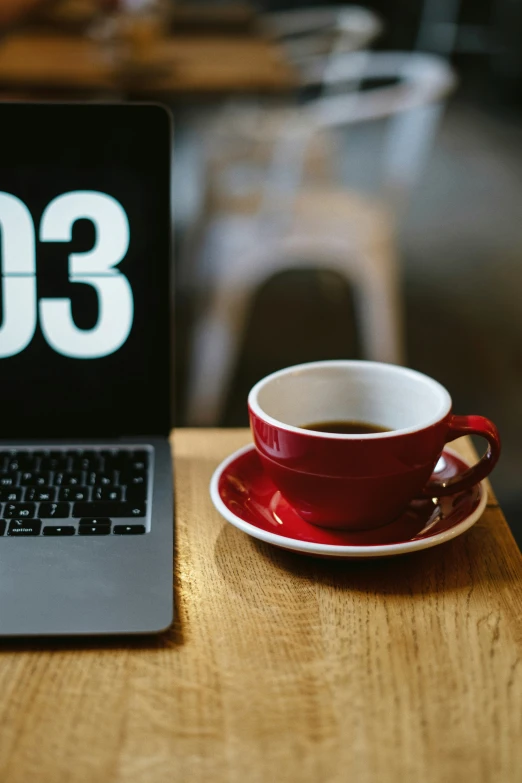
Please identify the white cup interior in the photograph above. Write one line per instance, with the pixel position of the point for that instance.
(383, 394)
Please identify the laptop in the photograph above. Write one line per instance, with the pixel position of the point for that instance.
(86, 497)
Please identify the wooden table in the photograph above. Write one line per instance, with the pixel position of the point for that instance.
(284, 668)
(193, 65)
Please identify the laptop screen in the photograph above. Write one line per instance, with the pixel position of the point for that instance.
(85, 254)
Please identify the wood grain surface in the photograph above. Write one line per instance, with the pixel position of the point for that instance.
(285, 668)
(189, 64)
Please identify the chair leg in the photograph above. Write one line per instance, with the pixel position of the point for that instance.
(214, 352)
(380, 308)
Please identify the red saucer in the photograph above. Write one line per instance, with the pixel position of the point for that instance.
(246, 497)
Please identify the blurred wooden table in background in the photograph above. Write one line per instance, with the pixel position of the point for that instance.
(188, 64)
(282, 667)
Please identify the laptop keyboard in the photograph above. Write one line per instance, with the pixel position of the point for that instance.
(86, 492)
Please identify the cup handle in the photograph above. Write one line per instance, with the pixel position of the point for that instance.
(468, 425)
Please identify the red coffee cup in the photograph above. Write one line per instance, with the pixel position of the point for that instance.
(359, 481)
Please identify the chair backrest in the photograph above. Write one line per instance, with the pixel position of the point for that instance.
(420, 79)
(412, 104)
(264, 172)
(321, 32)
(239, 144)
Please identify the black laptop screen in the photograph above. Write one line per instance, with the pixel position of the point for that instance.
(84, 243)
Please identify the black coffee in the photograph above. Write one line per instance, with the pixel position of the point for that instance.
(346, 427)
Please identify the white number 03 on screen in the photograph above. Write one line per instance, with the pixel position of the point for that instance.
(96, 267)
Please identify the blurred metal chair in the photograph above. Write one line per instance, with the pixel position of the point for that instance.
(323, 31)
(310, 38)
(248, 234)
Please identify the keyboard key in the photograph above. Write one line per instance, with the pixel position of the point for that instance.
(101, 479)
(19, 510)
(13, 493)
(74, 478)
(24, 527)
(92, 455)
(107, 509)
(94, 530)
(68, 530)
(95, 521)
(54, 510)
(2, 526)
(68, 478)
(86, 462)
(139, 461)
(135, 509)
(33, 479)
(40, 493)
(135, 480)
(114, 460)
(136, 494)
(140, 456)
(54, 463)
(73, 493)
(107, 493)
(129, 530)
(8, 479)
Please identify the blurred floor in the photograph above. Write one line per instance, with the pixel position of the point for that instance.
(462, 265)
